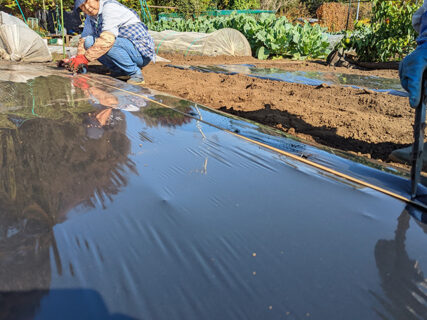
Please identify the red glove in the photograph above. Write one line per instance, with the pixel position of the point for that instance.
(78, 62)
(64, 63)
(80, 83)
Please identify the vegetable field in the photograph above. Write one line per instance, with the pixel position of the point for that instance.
(389, 36)
(268, 35)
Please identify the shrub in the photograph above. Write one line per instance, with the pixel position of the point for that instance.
(192, 7)
(29, 7)
(272, 4)
(333, 15)
(293, 9)
(365, 10)
(390, 35)
(313, 5)
(244, 4)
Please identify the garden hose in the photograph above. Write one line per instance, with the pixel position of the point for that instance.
(145, 12)
(25, 20)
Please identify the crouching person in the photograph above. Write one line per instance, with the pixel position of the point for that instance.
(115, 36)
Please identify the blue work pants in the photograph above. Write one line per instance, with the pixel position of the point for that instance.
(122, 59)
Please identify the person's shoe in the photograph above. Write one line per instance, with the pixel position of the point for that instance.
(123, 77)
(119, 75)
(404, 155)
(136, 80)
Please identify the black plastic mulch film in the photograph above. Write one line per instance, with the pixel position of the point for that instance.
(312, 78)
(160, 215)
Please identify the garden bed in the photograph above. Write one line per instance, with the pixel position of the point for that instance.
(358, 121)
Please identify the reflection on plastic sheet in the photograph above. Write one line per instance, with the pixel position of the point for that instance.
(357, 167)
(164, 216)
(313, 78)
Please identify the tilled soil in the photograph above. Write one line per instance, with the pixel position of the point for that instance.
(358, 121)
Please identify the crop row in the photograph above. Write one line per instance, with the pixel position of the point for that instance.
(268, 35)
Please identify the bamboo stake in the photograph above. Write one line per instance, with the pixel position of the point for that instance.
(62, 30)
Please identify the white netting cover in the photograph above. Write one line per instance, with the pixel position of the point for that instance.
(19, 42)
(226, 41)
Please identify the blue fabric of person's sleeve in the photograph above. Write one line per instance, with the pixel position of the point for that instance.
(422, 38)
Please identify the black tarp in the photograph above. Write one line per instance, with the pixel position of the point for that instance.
(158, 215)
(312, 78)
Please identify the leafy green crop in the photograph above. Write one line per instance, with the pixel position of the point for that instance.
(268, 36)
(390, 35)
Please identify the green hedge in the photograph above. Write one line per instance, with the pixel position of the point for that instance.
(185, 6)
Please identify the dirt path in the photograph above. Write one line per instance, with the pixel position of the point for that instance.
(358, 121)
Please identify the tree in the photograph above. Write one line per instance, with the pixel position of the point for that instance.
(272, 4)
